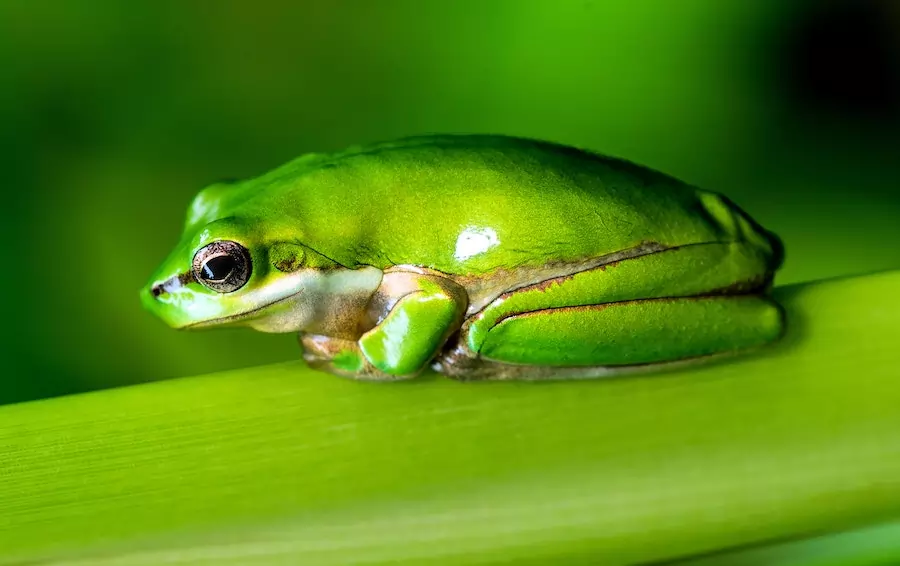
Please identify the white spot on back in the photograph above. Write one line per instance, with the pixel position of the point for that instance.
(475, 241)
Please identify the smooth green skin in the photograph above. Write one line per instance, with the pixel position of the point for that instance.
(488, 228)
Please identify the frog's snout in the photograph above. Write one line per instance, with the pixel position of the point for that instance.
(173, 284)
(156, 289)
(155, 293)
(150, 294)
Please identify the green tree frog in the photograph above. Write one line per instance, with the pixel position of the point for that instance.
(482, 257)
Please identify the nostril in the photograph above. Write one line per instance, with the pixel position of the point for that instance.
(156, 290)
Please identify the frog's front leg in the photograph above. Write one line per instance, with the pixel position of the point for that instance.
(414, 312)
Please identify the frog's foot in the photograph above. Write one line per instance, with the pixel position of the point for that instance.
(342, 357)
(462, 365)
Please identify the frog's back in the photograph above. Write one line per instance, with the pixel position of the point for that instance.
(472, 204)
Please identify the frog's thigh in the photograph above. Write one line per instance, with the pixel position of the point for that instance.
(634, 332)
(700, 269)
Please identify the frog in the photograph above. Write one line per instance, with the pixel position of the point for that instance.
(479, 257)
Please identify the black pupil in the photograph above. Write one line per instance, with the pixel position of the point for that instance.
(218, 268)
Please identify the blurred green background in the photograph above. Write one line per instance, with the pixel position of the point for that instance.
(115, 113)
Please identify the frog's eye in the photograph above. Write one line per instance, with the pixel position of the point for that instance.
(222, 266)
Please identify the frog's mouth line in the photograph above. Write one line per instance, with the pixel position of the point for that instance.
(240, 315)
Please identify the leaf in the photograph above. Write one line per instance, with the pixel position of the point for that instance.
(283, 465)
(870, 546)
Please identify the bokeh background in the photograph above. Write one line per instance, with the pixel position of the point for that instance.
(113, 115)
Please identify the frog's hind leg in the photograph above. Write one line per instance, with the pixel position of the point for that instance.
(633, 332)
(678, 304)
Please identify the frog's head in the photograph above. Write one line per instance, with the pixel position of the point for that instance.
(240, 269)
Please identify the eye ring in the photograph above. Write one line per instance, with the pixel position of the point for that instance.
(223, 266)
